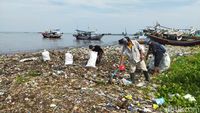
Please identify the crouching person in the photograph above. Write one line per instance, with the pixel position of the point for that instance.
(160, 61)
(135, 53)
(99, 51)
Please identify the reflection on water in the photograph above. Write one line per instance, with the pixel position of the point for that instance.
(23, 42)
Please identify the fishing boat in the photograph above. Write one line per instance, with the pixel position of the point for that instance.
(52, 34)
(87, 35)
(162, 40)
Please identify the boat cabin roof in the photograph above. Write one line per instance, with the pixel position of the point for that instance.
(81, 31)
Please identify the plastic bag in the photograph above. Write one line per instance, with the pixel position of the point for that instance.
(92, 60)
(45, 55)
(164, 63)
(68, 58)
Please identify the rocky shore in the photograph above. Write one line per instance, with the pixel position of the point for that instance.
(36, 86)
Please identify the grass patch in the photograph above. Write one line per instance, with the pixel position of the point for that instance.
(20, 79)
(183, 78)
(34, 73)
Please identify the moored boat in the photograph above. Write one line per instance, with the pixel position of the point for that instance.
(164, 41)
(52, 34)
(87, 35)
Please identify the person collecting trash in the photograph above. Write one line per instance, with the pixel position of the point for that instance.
(99, 51)
(160, 60)
(135, 53)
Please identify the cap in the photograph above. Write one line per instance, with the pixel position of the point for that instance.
(147, 41)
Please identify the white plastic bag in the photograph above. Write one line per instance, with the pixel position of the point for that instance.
(92, 60)
(164, 63)
(68, 58)
(45, 55)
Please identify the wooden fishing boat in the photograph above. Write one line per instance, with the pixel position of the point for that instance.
(87, 35)
(162, 40)
(52, 34)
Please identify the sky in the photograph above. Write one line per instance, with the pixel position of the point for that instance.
(113, 16)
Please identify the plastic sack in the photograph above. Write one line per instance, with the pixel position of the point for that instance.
(68, 58)
(45, 55)
(164, 63)
(92, 60)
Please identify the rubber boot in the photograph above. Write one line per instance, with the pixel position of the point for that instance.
(146, 75)
(132, 75)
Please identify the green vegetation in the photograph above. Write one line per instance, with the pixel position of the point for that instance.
(182, 78)
(26, 77)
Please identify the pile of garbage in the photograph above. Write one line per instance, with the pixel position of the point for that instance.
(30, 84)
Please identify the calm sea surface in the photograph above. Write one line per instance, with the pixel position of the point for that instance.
(26, 42)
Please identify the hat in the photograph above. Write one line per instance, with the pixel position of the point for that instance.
(147, 41)
(122, 41)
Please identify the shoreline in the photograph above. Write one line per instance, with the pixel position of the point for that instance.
(38, 86)
(52, 49)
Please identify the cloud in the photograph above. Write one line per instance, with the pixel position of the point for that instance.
(106, 15)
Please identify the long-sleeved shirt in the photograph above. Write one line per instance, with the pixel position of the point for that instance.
(133, 53)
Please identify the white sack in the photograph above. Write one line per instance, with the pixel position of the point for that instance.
(92, 60)
(164, 63)
(68, 58)
(45, 55)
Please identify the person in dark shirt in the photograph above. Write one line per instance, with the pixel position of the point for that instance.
(99, 51)
(158, 52)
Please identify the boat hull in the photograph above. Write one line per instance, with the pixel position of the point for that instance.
(173, 42)
(96, 37)
(46, 35)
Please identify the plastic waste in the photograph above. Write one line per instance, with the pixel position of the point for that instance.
(155, 106)
(92, 60)
(164, 63)
(45, 55)
(126, 82)
(68, 58)
(122, 68)
(189, 97)
(146, 110)
(141, 84)
(132, 109)
(28, 59)
(129, 97)
(159, 101)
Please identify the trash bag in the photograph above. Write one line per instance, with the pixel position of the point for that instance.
(164, 63)
(45, 55)
(92, 60)
(68, 58)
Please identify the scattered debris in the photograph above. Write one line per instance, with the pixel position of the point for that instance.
(37, 86)
(189, 97)
(28, 59)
